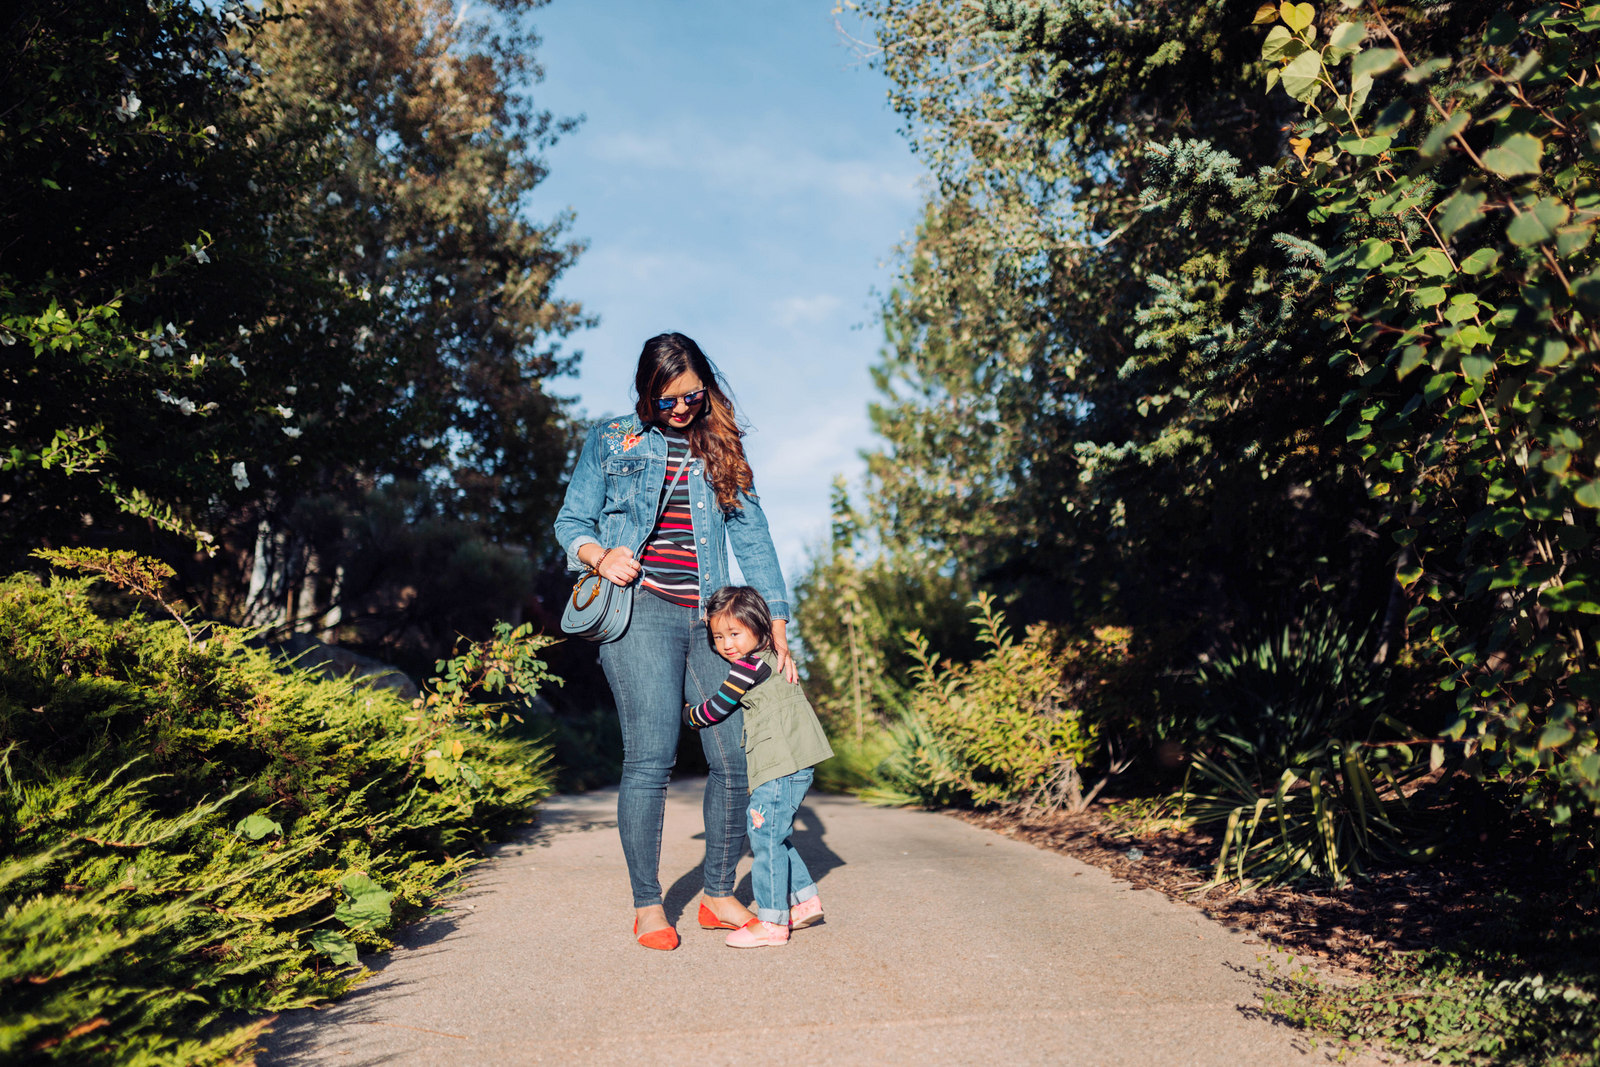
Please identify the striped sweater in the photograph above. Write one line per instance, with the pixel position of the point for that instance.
(743, 676)
(671, 567)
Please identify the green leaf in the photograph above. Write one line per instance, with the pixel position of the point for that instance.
(1347, 36)
(1555, 735)
(1476, 368)
(1538, 222)
(1433, 144)
(1410, 360)
(1570, 242)
(1423, 71)
(1429, 296)
(1281, 44)
(1480, 261)
(1297, 16)
(1373, 253)
(1374, 61)
(1517, 154)
(1266, 13)
(366, 903)
(1365, 146)
(1461, 210)
(1587, 288)
(334, 946)
(1300, 76)
(1469, 337)
(1432, 263)
(257, 826)
(1525, 66)
(1588, 494)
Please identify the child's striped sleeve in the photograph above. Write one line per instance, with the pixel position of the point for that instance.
(743, 676)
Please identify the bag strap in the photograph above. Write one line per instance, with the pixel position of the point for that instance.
(666, 494)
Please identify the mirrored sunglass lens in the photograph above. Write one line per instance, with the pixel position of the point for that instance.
(667, 403)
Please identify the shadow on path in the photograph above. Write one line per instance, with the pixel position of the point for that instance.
(809, 839)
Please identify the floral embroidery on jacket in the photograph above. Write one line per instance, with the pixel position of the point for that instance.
(622, 435)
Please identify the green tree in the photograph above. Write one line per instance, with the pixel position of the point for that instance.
(1040, 425)
(1452, 186)
(138, 264)
(268, 283)
(436, 140)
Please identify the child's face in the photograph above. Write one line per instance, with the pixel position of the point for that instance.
(731, 638)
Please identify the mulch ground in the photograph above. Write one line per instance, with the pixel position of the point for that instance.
(1455, 900)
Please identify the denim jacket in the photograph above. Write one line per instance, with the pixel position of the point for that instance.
(615, 491)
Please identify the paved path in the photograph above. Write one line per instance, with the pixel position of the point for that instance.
(943, 944)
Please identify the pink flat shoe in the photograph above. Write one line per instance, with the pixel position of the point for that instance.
(806, 913)
(758, 934)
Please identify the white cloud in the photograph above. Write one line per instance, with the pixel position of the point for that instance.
(757, 169)
(794, 311)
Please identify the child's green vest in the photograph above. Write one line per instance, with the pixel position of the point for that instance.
(781, 732)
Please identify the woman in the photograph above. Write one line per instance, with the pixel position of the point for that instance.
(654, 501)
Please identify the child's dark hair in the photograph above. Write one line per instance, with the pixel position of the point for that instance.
(747, 607)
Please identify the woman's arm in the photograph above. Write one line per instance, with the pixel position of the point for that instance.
(758, 560)
(743, 676)
(578, 521)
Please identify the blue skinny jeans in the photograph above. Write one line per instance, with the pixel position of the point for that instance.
(660, 663)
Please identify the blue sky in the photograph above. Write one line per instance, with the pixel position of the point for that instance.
(739, 177)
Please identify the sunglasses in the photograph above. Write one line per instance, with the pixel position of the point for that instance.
(667, 403)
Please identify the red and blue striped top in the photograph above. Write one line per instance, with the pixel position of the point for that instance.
(671, 566)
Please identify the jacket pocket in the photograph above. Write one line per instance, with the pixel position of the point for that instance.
(624, 476)
(763, 754)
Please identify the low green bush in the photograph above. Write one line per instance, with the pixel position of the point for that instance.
(1297, 761)
(191, 835)
(1000, 729)
(1453, 1006)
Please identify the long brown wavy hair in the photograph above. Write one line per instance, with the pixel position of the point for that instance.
(715, 436)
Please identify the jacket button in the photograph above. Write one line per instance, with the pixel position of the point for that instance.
(700, 503)
(702, 540)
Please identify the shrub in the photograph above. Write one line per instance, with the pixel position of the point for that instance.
(996, 730)
(190, 833)
(1453, 1006)
(1299, 763)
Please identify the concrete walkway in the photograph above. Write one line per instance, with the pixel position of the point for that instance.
(943, 944)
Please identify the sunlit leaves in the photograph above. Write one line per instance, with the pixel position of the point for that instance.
(1302, 76)
(1297, 16)
(1518, 154)
(1459, 211)
(1358, 145)
(1374, 61)
(1537, 221)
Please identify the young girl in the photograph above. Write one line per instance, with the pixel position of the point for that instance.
(782, 741)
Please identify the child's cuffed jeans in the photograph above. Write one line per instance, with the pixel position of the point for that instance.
(778, 875)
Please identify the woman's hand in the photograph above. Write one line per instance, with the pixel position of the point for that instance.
(780, 650)
(617, 565)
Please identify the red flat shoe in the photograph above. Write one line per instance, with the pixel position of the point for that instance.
(664, 939)
(709, 920)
